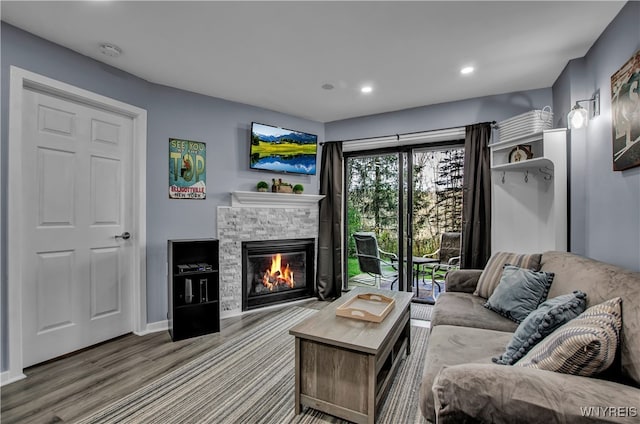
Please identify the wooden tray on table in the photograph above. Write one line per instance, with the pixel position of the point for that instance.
(367, 307)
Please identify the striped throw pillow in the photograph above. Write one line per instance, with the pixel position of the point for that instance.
(492, 273)
(584, 346)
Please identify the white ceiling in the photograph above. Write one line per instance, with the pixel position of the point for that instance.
(277, 55)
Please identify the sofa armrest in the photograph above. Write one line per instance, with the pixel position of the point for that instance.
(507, 394)
(462, 280)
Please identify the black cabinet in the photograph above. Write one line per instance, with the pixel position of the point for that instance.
(194, 299)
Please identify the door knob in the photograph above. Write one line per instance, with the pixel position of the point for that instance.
(124, 236)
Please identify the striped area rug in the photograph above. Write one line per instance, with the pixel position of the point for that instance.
(421, 311)
(250, 379)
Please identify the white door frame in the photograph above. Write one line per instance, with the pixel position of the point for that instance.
(20, 80)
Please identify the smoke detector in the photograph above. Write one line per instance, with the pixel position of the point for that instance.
(110, 50)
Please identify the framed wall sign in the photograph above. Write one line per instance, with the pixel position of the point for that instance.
(187, 170)
(625, 114)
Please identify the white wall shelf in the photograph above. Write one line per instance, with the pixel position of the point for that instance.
(529, 211)
(534, 163)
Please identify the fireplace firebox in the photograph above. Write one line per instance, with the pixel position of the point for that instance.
(277, 271)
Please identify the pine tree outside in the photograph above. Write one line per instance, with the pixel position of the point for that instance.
(372, 199)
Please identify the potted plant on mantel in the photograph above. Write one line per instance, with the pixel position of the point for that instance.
(262, 186)
(298, 189)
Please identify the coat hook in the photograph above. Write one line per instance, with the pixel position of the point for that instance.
(526, 177)
(503, 172)
(547, 175)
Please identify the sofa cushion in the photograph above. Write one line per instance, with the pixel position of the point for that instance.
(492, 272)
(482, 393)
(462, 280)
(520, 292)
(452, 345)
(467, 310)
(602, 281)
(584, 346)
(550, 315)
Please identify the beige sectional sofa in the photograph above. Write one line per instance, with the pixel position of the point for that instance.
(462, 384)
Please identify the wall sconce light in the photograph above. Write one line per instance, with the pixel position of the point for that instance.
(578, 116)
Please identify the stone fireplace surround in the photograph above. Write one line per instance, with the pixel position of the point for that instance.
(257, 216)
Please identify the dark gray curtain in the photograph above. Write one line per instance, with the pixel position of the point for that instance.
(329, 280)
(476, 200)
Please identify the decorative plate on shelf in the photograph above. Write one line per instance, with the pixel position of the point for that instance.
(520, 153)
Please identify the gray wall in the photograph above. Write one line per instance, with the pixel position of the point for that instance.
(444, 115)
(223, 125)
(570, 86)
(605, 205)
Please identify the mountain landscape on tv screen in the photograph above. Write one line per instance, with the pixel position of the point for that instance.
(281, 150)
(297, 137)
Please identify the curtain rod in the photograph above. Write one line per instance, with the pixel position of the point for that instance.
(494, 124)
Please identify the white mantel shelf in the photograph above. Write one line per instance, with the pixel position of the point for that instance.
(257, 199)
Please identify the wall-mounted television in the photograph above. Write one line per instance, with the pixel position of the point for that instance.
(281, 150)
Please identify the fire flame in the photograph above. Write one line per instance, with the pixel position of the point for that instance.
(278, 275)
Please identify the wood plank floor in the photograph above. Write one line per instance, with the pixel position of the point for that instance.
(68, 388)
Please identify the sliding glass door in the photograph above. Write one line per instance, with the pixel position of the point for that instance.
(437, 196)
(436, 210)
(372, 206)
(406, 198)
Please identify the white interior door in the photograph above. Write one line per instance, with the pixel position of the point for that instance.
(76, 177)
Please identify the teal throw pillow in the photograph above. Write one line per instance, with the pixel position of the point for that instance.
(550, 315)
(519, 292)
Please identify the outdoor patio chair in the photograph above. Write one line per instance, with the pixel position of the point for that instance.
(448, 256)
(370, 262)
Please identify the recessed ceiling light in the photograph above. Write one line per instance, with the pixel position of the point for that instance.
(366, 89)
(466, 70)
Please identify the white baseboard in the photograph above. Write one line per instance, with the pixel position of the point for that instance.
(5, 378)
(153, 327)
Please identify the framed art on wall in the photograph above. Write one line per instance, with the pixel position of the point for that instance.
(187, 171)
(625, 114)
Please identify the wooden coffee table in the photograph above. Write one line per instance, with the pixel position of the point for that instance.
(345, 366)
